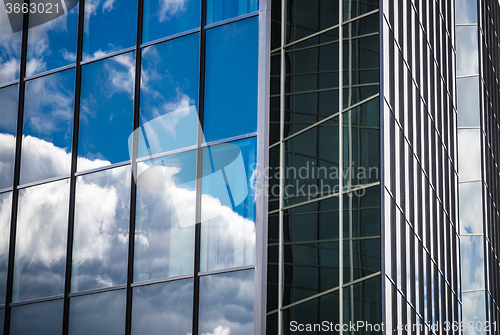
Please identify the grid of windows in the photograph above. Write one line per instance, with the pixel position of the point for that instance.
(324, 263)
(420, 180)
(128, 161)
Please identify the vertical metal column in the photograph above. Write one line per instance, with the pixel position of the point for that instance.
(341, 166)
(17, 171)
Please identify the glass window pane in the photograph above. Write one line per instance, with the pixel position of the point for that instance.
(8, 131)
(52, 44)
(471, 208)
(227, 303)
(468, 102)
(218, 10)
(10, 46)
(469, 154)
(109, 26)
(474, 310)
(467, 51)
(169, 96)
(43, 318)
(100, 245)
(42, 229)
(106, 114)
(466, 11)
(164, 18)
(228, 207)
(98, 314)
(231, 80)
(165, 308)
(2, 316)
(5, 210)
(472, 256)
(165, 217)
(48, 127)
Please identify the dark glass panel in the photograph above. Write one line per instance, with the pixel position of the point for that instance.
(164, 18)
(355, 8)
(2, 316)
(466, 11)
(467, 50)
(227, 303)
(8, 131)
(42, 231)
(106, 115)
(98, 314)
(468, 113)
(228, 206)
(362, 212)
(165, 308)
(231, 80)
(311, 164)
(10, 46)
(109, 26)
(469, 154)
(165, 217)
(5, 210)
(472, 262)
(471, 208)
(169, 96)
(100, 244)
(53, 44)
(307, 17)
(48, 127)
(218, 10)
(44, 318)
(272, 324)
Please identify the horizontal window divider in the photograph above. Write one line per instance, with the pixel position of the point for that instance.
(272, 312)
(466, 25)
(41, 182)
(171, 37)
(161, 280)
(2, 306)
(98, 290)
(331, 290)
(472, 128)
(326, 89)
(374, 237)
(231, 20)
(235, 269)
(166, 154)
(468, 76)
(47, 73)
(463, 235)
(470, 181)
(229, 139)
(5, 190)
(333, 42)
(273, 211)
(10, 83)
(354, 189)
(35, 301)
(102, 168)
(274, 145)
(110, 55)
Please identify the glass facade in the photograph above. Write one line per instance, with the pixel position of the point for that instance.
(129, 155)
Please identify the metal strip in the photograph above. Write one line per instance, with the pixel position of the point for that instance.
(341, 163)
(46, 73)
(17, 170)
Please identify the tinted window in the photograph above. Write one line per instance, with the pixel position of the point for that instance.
(43, 318)
(8, 131)
(218, 10)
(5, 210)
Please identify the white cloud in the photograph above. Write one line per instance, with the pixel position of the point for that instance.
(170, 8)
(220, 330)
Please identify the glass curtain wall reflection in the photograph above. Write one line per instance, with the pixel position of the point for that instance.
(128, 168)
(324, 195)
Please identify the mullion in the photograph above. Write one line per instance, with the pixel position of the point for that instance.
(17, 172)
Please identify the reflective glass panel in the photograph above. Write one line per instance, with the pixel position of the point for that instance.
(469, 154)
(474, 312)
(467, 50)
(2, 316)
(363, 302)
(227, 303)
(44, 318)
(100, 244)
(10, 46)
(48, 127)
(218, 10)
(106, 115)
(227, 205)
(169, 96)
(163, 18)
(109, 26)
(42, 231)
(52, 44)
(466, 11)
(468, 102)
(98, 314)
(5, 210)
(8, 131)
(165, 217)
(165, 308)
(471, 208)
(231, 80)
(472, 256)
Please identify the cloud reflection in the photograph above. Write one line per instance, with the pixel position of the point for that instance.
(10, 50)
